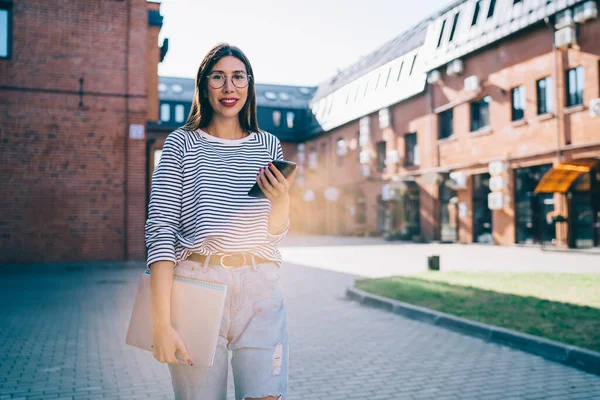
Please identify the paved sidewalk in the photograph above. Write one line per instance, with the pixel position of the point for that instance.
(62, 336)
(375, 257)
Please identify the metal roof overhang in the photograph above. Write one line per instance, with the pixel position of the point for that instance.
(560, 178)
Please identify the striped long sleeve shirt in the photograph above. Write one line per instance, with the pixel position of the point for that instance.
(199, 201)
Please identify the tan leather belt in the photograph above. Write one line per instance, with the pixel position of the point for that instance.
(234, 260)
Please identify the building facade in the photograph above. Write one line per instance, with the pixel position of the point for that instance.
(78, 84)
(480, 124)
(503, 94)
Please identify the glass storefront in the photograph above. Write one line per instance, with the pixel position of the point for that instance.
(584, 211)
(448, 213)
(532, 210)
(410, 199)
(482, 215)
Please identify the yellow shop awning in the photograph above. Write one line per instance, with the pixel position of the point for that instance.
(560, 178)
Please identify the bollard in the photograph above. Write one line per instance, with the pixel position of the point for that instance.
(433, 262)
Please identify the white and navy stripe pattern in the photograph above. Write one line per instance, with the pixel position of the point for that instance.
(199, 201)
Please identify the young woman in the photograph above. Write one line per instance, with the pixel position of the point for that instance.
(202, 224)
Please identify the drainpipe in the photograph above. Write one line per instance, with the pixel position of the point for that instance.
(562, 199)
(435, 162)
(559, 119)
(126, 138)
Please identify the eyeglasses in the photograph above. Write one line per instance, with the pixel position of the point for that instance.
(240, 80)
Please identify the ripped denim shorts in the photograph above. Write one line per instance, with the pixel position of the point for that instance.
(253, 328)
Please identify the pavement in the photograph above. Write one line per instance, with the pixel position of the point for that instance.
(62, 331)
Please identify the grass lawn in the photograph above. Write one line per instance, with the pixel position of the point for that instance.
(561, 307)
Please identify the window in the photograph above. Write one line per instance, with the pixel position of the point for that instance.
(575, 86)
(384, 118)
(480, 113)
(165, 112)
(277, 118)
(400, 70)
(531, 208)
(491, 8)
(454, 23)
(179, 113)
(289, 116)
(312, 157)
(411, 149)
(5, 30)
(476, 13)
(270, 95)
(445, 124)
(162, 87)
(441, 34)
(377, 83)
(157, 154)
(324, 154)
(388, 76)
(516, 1)
(544, 95)
(340, 147)
(482, 215)
(340, 150)
(361, 209)
(381, 153)
(412, 66)
(357, 147)
(176, 88)
(518, 103)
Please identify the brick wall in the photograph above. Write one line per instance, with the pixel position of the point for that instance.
(71, 192)
(521, 59)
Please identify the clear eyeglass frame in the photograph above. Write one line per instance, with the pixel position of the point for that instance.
(218, 85)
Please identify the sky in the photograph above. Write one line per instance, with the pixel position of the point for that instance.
(302, 42)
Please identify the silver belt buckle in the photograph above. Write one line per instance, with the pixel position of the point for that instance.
(231, 255)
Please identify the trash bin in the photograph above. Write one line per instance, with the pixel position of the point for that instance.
(433, 262)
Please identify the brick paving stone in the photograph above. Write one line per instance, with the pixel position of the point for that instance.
(64, 336)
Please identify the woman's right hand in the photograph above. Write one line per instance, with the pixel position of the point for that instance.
(167, 343)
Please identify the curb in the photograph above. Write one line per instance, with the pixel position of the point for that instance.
(577, 357)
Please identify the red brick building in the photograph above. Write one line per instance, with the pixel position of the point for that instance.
(78, 83)
(479, 124)
(512, 89)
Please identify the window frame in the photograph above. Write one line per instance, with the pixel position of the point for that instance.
(7, 6)
(491, 9)
(182, 108)
(520, 91)
(579, 75)
(548, 95)
(476, 12)
(442, 118)
(381, 155)
(276, 124)
(293, 119)
(410, 148)
(165, 106)
(439, 43)
(454, 25)
(478, 104)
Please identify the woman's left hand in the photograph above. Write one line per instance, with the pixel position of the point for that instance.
(274, 185)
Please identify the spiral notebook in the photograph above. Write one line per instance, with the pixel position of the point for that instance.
(196, 313)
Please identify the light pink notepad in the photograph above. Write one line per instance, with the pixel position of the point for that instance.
(196, 312)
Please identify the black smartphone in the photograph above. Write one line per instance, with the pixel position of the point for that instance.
(285, 167)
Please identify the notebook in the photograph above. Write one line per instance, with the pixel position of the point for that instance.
(196, 312)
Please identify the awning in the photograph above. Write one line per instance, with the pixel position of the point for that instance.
(560, 178)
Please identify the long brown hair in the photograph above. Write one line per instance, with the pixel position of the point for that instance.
(201, 111)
